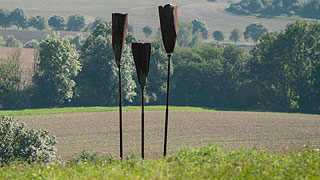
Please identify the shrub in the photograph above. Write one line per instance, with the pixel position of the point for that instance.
(20, 143)
(32, 44)
(13, 42)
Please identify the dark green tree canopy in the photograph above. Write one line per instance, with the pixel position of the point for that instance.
(57, 23)
(130, 28)
(4, 18)
(209, 75)
(311, 9)
(76, 22)
(9, 82)
(147, 31)
(11, 41)
(97, 84)
(157, 79)
(56, 72)
(235, 35)
(18, 18)
(186, 36)
(254, 31)
(93, 25)
(285, 67)
(218, 35)
(273, 8)
(34, 44)
(38, 22)
(198, 25)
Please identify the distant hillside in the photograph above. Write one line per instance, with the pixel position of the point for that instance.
(145, 13)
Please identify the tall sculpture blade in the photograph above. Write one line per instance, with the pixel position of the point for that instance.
(141, 56)
(119, 27)
(169, 26)
(169, 30)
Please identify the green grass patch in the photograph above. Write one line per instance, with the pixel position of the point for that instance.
(94, 109)
(210, 162)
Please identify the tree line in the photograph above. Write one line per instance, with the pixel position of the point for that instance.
(253, 31)
(11, 41)
(18, 18)
(282, 73)
(264, 8)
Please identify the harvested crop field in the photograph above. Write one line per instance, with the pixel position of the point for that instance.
(99, 131)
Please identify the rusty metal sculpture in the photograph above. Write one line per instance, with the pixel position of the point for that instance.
(141, 56)
(119, 27)
(169, 30)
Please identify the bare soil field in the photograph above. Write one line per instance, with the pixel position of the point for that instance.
(99, 132)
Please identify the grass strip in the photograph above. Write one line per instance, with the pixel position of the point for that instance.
(94, 109)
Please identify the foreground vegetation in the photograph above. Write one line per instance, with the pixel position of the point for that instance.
(205, 163)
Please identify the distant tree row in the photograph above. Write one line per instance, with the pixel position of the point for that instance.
(11, 41)
(253, 31)
(281, 73)
(194, 32)
(264, 8)
(189, 33)
(18, 18)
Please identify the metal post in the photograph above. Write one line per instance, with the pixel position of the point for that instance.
(167, 109)
(142, 123)
(119, 27)
(120, 112)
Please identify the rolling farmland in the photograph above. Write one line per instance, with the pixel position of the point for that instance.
(98, 131)
(143, 13)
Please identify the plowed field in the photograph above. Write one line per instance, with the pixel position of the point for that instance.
(99, 132)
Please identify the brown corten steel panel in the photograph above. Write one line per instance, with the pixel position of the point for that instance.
(169, 26)
(141, 56)
(119, 28)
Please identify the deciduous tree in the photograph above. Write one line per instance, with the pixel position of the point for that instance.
(32, 44)
(254, 31)
(147, 31)
(97, 83)
(76, 22)
(9, 83)
(11, 41)
(4, 18)
(57, 23)
(56, 71)
(198, 25)
(285, 68)
(38, 22)
(218, 35)
(235, 35)
(17, 17)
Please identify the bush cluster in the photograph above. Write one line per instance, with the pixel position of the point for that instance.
(27, 145)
